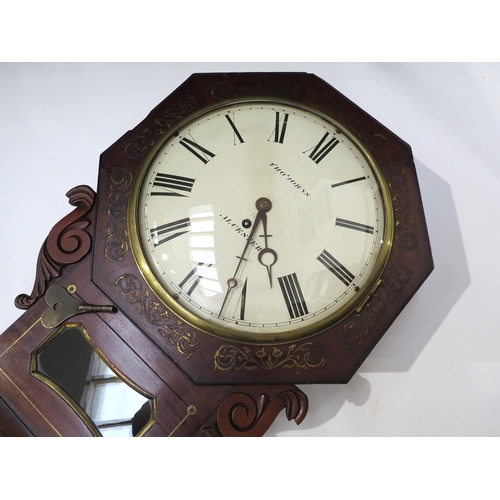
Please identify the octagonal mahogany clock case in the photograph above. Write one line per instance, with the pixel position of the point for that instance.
(254, 231)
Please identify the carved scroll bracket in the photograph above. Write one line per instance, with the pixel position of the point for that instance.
(239, 415)
(67, 243)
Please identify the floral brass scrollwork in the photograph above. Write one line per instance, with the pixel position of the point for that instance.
(354, 331)
(405, 230)
(146, 140)
(116, 233)
(305, 356)
(156, 314)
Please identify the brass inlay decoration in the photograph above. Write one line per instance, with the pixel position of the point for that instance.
(304, 356)
(358, 328)
(30, 402)
(191, 410)
(157, 315)
(343, 113)
(146, 140)
(405, 229)
(20, 337)
(116, 230)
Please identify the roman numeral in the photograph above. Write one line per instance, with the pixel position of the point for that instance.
(350, 181)
(194, 276)
(235, 130)
(292, 294)
(203, 154)
(171, 227)
(354, 225)
(334, 266)
(321, 149)
(172, 185)
(279, 136)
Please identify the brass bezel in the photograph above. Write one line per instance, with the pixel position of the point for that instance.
(226, 333)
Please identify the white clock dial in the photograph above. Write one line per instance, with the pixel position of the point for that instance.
(261, 221)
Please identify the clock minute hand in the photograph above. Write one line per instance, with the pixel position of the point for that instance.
(232, 282)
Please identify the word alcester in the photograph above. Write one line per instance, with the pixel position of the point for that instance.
(241, 231)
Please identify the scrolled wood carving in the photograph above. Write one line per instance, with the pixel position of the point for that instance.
(239, 415)
(67, 243)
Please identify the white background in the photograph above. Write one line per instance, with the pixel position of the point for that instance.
(436, 372)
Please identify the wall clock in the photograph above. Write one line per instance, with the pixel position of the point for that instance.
(277, 231)
(255, 231)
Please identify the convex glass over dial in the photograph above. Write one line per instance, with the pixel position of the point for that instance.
(261, 222)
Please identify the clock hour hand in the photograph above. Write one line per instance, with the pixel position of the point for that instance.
(270, 255)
